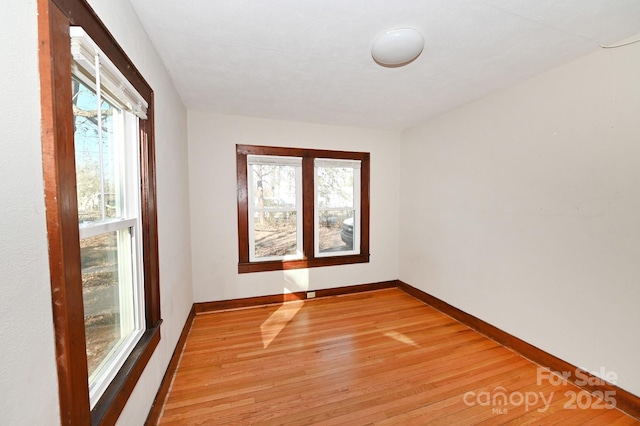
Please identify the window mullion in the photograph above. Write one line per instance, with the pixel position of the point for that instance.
(299, 213)
(308, 201)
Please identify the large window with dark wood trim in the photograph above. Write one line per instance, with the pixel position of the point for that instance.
(106, 110)
(301, 208)
(99, 169)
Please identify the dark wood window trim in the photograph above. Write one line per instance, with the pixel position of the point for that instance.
(308, 260)
(54, 19)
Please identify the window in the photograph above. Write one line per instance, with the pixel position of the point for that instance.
(99, 178)
(301, 208)
(275, 207)
(337, 205)
(106, 109)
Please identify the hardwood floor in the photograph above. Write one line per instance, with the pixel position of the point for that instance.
(380, 357)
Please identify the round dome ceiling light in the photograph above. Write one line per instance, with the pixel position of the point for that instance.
(396, 48)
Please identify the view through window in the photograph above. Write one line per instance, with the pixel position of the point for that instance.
(337, 189)
(276, 207)
(106, 154)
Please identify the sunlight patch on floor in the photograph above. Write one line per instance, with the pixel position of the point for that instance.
(402, 338)
(278, 320)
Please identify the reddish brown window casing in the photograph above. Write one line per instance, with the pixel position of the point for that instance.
(54, 19)
(308, 260)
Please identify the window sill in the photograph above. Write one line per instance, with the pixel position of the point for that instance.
(110, 405)
(280, 265)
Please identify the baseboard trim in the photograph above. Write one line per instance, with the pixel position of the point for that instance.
(625, 401)
(158, 403)
(339, 291)
(204, 307)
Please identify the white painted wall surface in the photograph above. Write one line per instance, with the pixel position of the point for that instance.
(173, 199)
(523, 209)
(28, 378)
(212, 173)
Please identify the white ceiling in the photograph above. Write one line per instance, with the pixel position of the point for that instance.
(310, 60)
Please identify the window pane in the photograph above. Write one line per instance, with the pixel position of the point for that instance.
(274, 186)
(95, 152)
(335, 186)
(335, 230)
(275, 233)
(107, 293)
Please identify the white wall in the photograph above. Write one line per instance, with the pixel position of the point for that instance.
(28, 378)
(212, 174)
(173, 199)
(523, 209)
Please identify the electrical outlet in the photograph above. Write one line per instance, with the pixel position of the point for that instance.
(311, 294)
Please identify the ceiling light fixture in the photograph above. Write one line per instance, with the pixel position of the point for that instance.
(396, 48)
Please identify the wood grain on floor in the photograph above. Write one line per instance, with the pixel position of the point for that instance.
(379, 357)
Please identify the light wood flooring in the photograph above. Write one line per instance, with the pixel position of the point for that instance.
(380, 357)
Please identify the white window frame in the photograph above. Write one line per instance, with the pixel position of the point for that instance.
(333, 162)
(93, 68)
(295, 162)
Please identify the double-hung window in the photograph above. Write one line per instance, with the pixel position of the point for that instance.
(300, 208)
(275, 208)
(337, 207)
(98, 154)
(106, 110)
